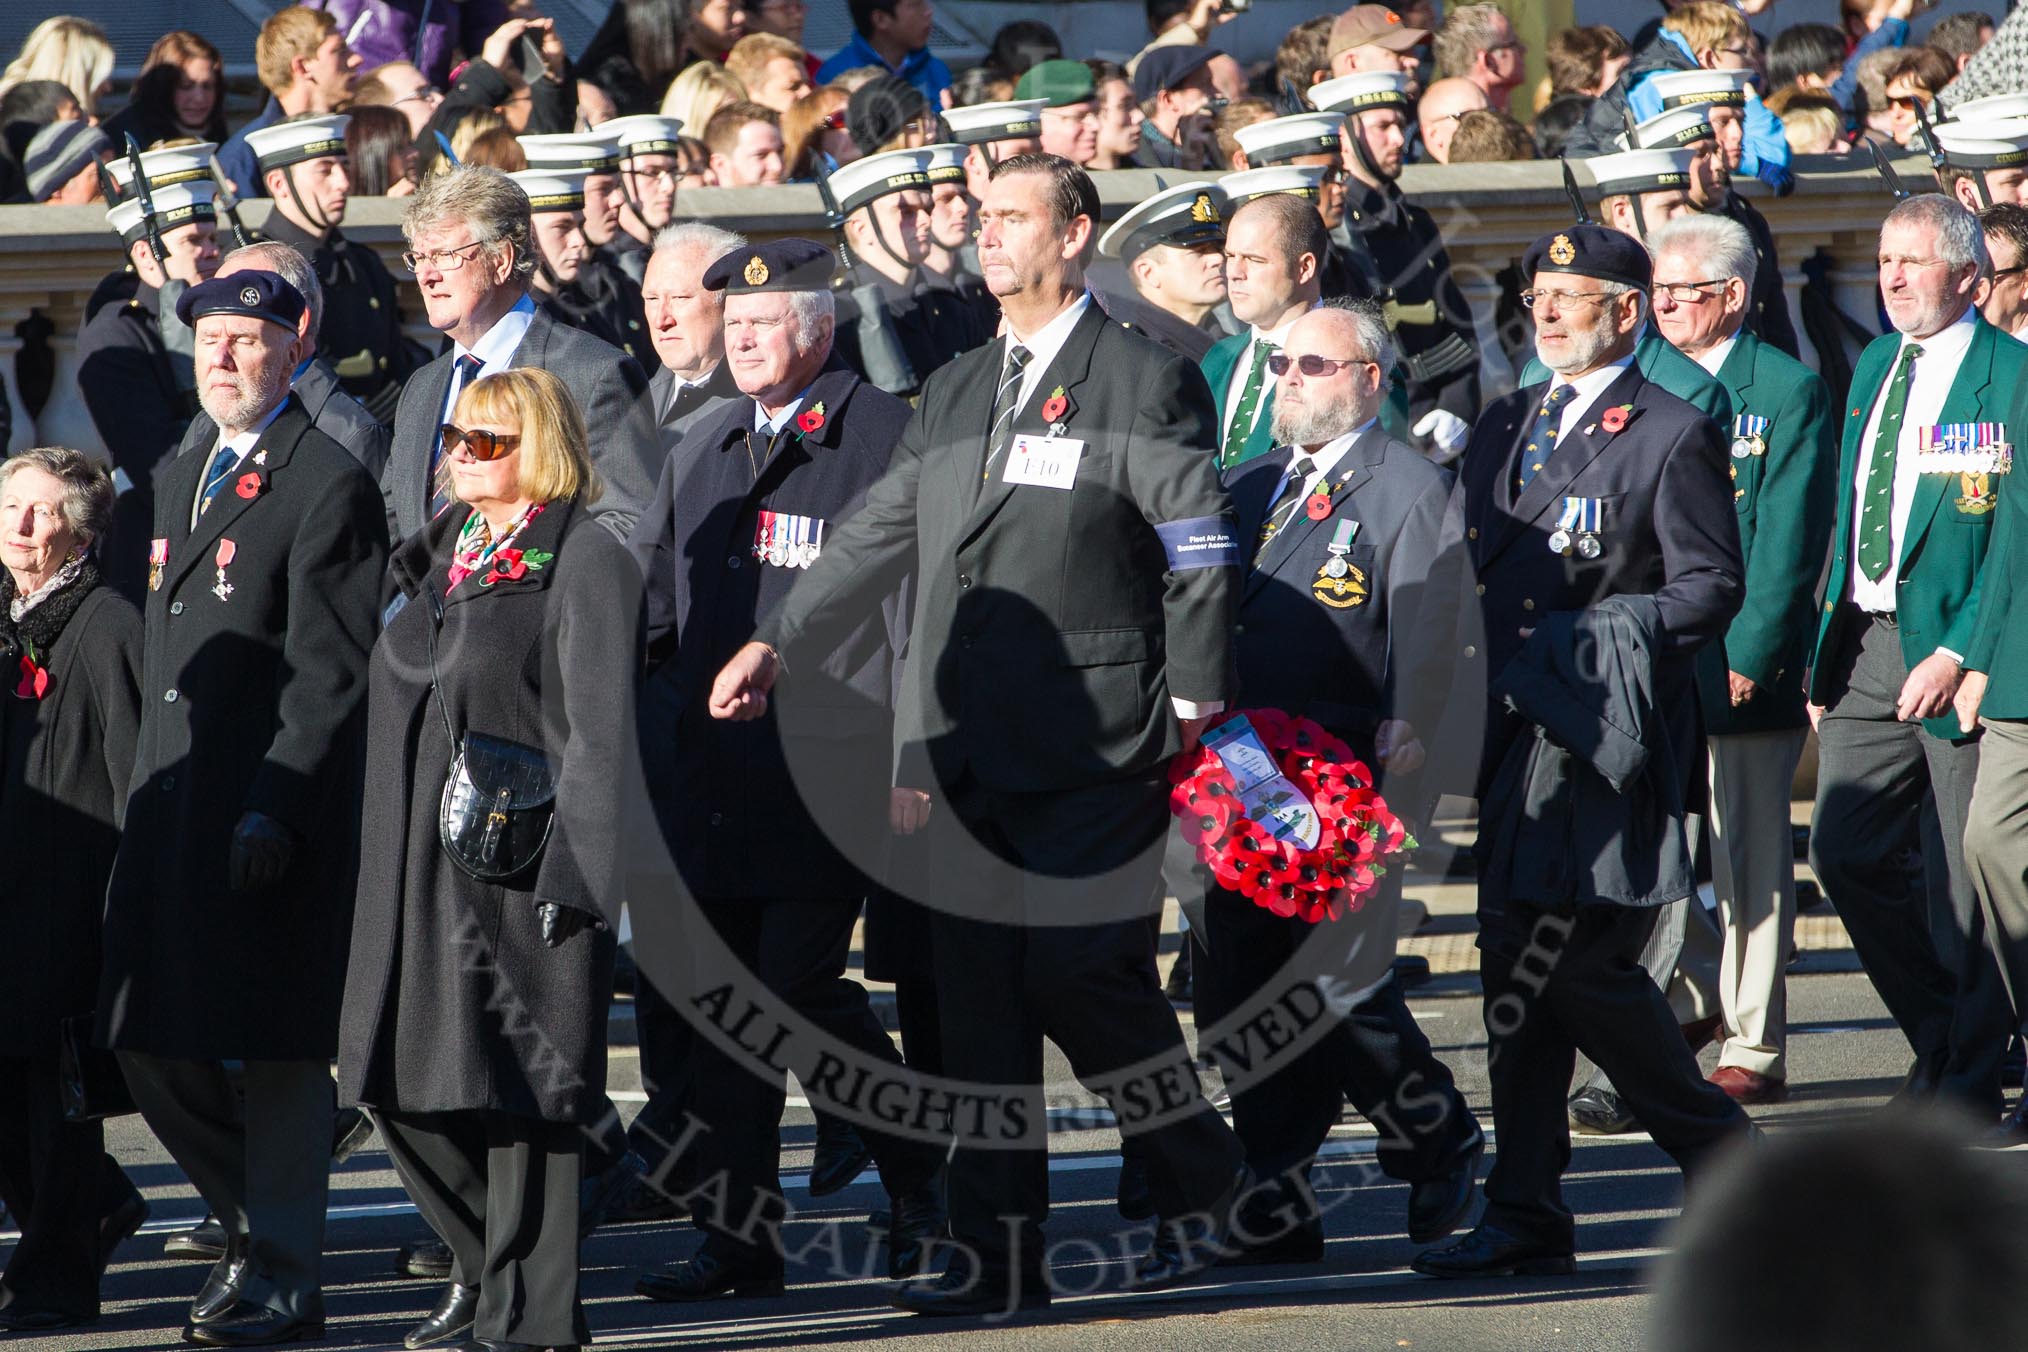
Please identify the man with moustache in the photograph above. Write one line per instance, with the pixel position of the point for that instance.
(1055, 500)
(1596, 502)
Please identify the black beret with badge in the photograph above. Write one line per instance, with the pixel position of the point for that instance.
(255, 293)
(778, 265)
(1595, 251)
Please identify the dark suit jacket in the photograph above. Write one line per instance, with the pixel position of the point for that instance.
(695, 407)
(610, 389)
(123, 372)
(1669, 531)
(1049, 628)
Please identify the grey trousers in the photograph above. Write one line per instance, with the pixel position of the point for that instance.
(1753, 870)
(266, 1178)
(1996, 851)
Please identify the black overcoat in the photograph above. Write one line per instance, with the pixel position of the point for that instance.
(252, 694)
(69, 756)
(452, 1000)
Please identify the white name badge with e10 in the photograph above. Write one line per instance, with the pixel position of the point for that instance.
(1045, 462)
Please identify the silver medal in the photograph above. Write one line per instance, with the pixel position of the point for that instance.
(1588, 546)
(1336, 567)
(1741, 448)
(1559, 542)
(778, 554)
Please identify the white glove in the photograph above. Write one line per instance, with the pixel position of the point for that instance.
(1446, 429)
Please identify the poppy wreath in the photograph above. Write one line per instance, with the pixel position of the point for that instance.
(1358, 832)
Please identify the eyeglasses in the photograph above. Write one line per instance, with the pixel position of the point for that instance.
(1907, 103)
(1312, 366)
(1998, 273)
(482, 444)
(1088, 116)
(1687, 293)
(443, 260)
(1534, 299)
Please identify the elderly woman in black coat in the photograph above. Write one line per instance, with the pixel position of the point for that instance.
(70, 657)
(474, 1026)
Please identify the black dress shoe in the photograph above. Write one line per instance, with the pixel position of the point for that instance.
(430, 1258)
(204, 1240)
(249, 1325)
(349, 1132)
(220, 1292)
(1136, 1198)
(959, 1294)
(1599, 1112)
(1267, 1241)
(1437, 1206)
(456, 1308)
(913, 1229)
(646, 1202)
(1490, 1251)
(596, 1195)
(840, 1156)
(1183, 1248)
(14, 1320)
(116, 1229)
(706, 1276)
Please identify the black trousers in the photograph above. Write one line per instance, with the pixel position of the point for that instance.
(502, 1192)
(1092, 989)
(1556, 982)
(659, 1133)
(265, 1174)
(797, 947)
(58, 1183)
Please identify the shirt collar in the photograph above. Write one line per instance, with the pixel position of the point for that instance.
(1714, 356)
(1047, 341)
(1950, 341)
(1589, 386)
(773, 426)
(244, 442)
(496, 346)
(1326, 457)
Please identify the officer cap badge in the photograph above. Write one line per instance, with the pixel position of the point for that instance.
(756, 271)
(1561, 251)
(1204, 210)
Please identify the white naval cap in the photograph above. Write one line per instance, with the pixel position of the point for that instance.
(872, 177)
(298, 139)
(552, 189)
(1280, 139)
(1362, 93)
(1300, 180)
(175, 204)
(980, 123)
(592, 152)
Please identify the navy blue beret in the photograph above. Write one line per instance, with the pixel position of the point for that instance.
(1596, 251)
(255, 293)
(778, 265)
(1166, 67)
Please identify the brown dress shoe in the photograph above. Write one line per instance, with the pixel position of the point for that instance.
(1746, 1086)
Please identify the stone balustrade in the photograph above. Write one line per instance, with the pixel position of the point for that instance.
(52, 257)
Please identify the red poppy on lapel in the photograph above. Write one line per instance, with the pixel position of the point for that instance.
(1615, 418)
(34, 683)
(810, 419)
(1054, 407)
(1318, 507)
(248, 485)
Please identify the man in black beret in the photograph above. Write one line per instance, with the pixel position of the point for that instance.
(230, 907)
(759, 817)
(1597, 509)
(1173, 87)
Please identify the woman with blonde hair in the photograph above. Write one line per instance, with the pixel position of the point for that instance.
(701, 90)
(500, 711)
(74, 52)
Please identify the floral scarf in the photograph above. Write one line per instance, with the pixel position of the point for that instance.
(477, 547)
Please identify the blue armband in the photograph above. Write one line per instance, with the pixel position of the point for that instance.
(1200, 542)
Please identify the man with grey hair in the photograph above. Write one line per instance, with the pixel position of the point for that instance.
(1784, 446)
(1337, 622)
(686, 324)
(760, 485)
(472, 254)
(1477, 43)
(1922, 461)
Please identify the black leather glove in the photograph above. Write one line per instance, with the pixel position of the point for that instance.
(561, 924)
(261, 850)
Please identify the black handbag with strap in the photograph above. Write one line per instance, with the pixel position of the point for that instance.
(499, 797)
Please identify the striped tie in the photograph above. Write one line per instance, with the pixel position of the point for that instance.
(1005, 404)
(1286, 502)
(466, 371)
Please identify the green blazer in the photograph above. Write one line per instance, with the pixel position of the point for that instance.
(1784, 497)
(2000, 642)
(1217, 366)
(1943, 548)
(1663, 365)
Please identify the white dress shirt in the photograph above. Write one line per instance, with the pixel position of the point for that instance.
(241, 445)
(1714, 357)
(1586, 390)
(1323, 460)
(495, 350)
(772, 426)
(1929, 384)
(1276, 340)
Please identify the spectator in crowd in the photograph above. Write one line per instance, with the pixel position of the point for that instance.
(1486, 134)
(1477, 43)
(24, 111)
(1439, 109)
(893, 36)
(852, 81)
(62, 164)
(1586, 61)
(886, 113)
(1177, 107)
(400, 86)
(72, 649)
(381, 152)
(381, 31)
(1302, 59)
(1812, 57)
(2003, 302)
(975, 84)
(814, 135)
(700, 91)
(644, 43)
(693, 164)
(1996, 68)
(540, 647)
(1119, 131)
(746, 145)
(1070, 118)
(534, 101)
(1232, 119)
(1021, 46)
(1869, 98)
(485, 138)
(179, 93)
(771, 69)
(1915, 78)
(306, 67)
(1180, 23)
(1555, 123)
(73, 52)
(594, 105)
(783, 18)
(1228, 77)
(1813, 123)
(1373, 38)
(1959, 36)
